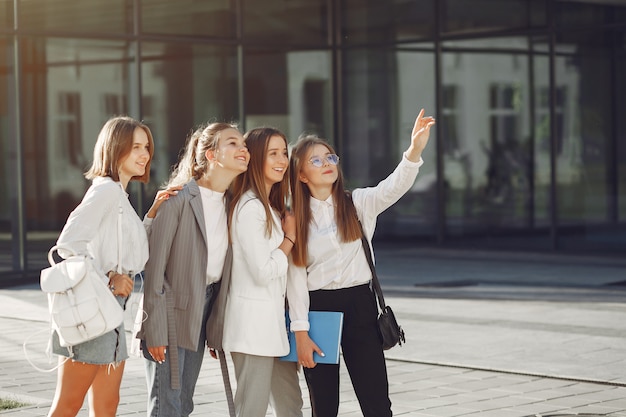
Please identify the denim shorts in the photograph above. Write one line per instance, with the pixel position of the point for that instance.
(110, 348)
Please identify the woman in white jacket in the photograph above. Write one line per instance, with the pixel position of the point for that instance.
(263, 234)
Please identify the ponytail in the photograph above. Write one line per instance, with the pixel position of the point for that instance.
(193, 162)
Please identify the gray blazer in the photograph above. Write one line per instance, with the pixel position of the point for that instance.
(175, 276)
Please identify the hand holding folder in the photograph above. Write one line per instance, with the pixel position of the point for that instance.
(325, 330)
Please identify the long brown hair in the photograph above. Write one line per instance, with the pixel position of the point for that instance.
(257, 141)
(348, 225)
(193, 162)
(115, 141)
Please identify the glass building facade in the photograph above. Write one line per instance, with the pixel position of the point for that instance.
(528, 153)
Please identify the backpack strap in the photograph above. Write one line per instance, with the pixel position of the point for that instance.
(119, 232)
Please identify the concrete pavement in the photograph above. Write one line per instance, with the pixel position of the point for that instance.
(488, 334)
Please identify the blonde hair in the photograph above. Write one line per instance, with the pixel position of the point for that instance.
(115, 142)
(347, 220)
(193, 162)
(257, 142)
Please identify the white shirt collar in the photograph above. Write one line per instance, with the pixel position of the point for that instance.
(210, 194)
(317, 204)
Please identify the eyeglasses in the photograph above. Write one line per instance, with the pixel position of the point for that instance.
(318, 162)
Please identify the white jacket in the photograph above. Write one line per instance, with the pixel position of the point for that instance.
(255, 309)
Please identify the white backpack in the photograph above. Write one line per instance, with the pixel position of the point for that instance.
(82, 307)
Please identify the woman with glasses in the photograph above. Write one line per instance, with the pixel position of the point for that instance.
(329, 270)
(262, 235)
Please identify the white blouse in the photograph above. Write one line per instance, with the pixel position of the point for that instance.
(217, 232)
(91, 228)
(332, 264)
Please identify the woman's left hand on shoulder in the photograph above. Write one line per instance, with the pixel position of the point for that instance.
(161, 196)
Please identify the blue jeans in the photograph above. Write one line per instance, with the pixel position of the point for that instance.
(163, 401)
(110, 348)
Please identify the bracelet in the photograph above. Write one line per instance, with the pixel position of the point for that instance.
(110, 275)
(291, 240)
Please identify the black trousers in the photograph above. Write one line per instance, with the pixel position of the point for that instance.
(362, 353)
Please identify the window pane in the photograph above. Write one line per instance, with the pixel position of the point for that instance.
(65, 86)
(513, 43)
(571, 14)
(538, 13)
(7, 148)
(97, 16)
(185, 85)
(487, 162)
(620, 95)
(541, 143)
(414, 88)
(585, 155)
(6, 14)
(292, 22)
(289, 90)
(384, 91)
(215, 18)
(489, 15)
(366, 21)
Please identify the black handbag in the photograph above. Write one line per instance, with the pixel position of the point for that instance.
(390, 331)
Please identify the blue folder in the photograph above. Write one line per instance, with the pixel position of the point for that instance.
(325, 330)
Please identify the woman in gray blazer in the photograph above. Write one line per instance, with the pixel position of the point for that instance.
(188, 243)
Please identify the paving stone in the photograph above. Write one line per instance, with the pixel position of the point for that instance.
(504, 347)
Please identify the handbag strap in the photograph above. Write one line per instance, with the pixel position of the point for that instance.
(375, 283)
(226, 379)
(215, 328)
